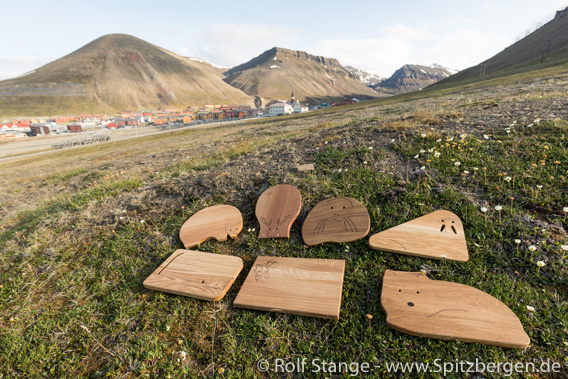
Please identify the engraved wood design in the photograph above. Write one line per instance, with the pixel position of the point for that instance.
(438, 309)
(276, 210)
(218, 221)
(437, 235)
(196, 274)
(341, 219)
(303, 286)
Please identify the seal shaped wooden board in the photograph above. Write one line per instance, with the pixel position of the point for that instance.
(422, 307)
(196, 274)
(437, 235)
(341, 219)
(218, 221)
(276, 210)
(303, 286)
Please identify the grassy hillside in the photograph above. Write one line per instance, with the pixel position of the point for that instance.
(102, 218)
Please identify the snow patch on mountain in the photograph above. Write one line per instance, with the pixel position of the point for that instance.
(450, 70)
(368, 78)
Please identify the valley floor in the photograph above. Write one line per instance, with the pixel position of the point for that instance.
(81, 229)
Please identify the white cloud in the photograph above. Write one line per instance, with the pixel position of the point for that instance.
(12, 66)
(232, 44)
(405, 44)
(378, 55)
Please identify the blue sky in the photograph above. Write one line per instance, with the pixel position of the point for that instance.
(380, 36)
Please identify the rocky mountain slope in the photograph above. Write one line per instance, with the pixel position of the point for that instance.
(277, 72)
(410, 78)
(115, 72)
(368, 78)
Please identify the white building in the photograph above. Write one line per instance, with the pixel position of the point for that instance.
(280, 108)
(299, 108)
(287, 107)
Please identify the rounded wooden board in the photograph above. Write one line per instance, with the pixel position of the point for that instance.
(341, 219)
(444, 310)
(217, 221)
(276, 210)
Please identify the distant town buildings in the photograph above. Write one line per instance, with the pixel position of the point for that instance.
(282, 107)
(128, 118)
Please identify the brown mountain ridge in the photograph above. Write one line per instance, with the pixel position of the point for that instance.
(411, 78)
(277, 72)
(115, 72)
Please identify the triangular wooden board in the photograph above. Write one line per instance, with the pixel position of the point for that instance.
(428, 308)
(437, 235)
(276, 210)
(341, 219)
(218, 221)
(196, 274)
(303, 286)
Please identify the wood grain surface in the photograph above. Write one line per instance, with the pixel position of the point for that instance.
(437, 235)
(276, 210)
(196, 274)
(303, 286)
(341, 219)
(218, 221)
(437, 309)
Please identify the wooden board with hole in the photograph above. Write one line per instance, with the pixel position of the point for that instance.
(196, 274)
(302, 286)
(437, 235)
(341, 219)
(444, 310)
(276, 210)
(217, 221)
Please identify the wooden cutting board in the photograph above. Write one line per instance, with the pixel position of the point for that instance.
(437, 235)
(218, 221)
(276, 210)
(303, 286)
(341, 219)
(196, 274)
(422, 307)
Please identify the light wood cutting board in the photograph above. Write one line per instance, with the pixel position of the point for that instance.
(341, 219)
(196, 274)
(422, 307)
(218, 221)
(276, 210)
(437, 235)
(303, 286)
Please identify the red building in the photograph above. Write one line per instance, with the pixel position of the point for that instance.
(75, 128)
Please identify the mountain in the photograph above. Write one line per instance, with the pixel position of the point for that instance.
(368, 78)
(410, 78)
(278, 72)
(450, 70)
(544, 48)
(117, 72)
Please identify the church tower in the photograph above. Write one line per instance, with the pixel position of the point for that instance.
(292, 98)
